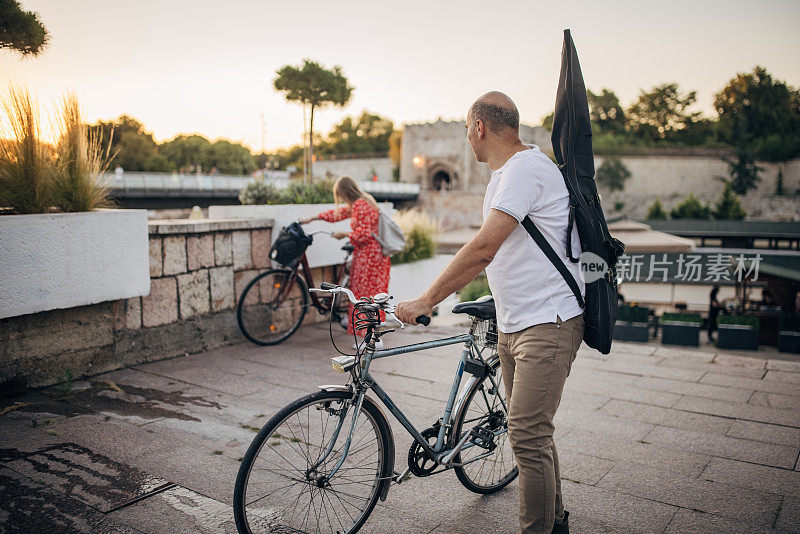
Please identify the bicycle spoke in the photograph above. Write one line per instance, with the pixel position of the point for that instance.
(284, 488)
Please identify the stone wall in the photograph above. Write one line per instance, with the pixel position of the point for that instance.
(197, 270)
(441, 147)
(667, 178)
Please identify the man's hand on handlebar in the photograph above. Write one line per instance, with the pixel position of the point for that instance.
(409, 311)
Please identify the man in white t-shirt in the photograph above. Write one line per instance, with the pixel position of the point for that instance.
(539, 319)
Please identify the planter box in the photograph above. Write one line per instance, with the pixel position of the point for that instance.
(325, 250)
(789, 341)
(625, 331)
(409, 280)
(680, 333)
(63, 260)
(737, 336)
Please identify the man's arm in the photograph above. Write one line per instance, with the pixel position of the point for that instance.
(464, 267)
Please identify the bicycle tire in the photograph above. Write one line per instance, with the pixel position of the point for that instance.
(244, 308)
(462, 471)
(383, 470)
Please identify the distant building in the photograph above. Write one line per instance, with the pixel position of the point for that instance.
(437, 156)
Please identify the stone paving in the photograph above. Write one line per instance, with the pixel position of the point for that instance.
(651, 439)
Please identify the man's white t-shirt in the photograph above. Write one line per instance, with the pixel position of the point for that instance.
(527, 288)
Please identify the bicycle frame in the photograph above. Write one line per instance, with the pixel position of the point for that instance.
(338, 274)
(363, 381)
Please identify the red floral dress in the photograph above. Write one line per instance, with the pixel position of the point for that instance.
(369, 273)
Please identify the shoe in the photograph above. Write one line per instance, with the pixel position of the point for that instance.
(563, 527)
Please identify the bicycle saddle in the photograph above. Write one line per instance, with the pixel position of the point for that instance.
(483, 308)
(347, 248)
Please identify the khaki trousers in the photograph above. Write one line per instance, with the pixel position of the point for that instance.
(535, 364)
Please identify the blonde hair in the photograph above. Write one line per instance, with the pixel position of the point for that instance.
(347, 191)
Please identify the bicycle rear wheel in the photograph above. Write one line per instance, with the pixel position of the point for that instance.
(489, 464)
(279, 489)
(271, 308)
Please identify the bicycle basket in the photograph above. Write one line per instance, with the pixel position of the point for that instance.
(485, 334)
(292, 241)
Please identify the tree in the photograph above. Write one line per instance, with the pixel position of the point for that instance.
(313, 85)
(131, 146)
(367, 133)
(691, 208)
(756, 106)
(743, 169)
(656, 211)
(728, 206)
(230, 158)
(606, 112)
(547, 121)
(188, 153)
(613, 174)
(661, 112)
(21, 30)
(779, 191)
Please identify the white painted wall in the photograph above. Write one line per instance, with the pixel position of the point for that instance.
(410, 280)
(323, 251)
(62, 260)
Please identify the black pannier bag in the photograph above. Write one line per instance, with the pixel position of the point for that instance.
(292, 241)
(572, 147)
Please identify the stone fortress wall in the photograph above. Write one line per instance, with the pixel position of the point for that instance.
(433, 149)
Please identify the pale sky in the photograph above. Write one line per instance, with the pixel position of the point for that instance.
(206, 66)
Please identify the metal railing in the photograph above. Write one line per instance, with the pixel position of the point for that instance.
(153, 181)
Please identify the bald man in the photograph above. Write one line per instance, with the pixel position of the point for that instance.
(539, 319)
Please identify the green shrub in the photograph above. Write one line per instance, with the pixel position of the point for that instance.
(633, 314)
(691, 208)
(728, 206)
(682, 318)
(420, 233)
(260, 192)
(315, 193)
(475, 290)
(656, 211)
(744, 320)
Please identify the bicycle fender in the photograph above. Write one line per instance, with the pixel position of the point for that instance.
(388, 470)
(463, 393)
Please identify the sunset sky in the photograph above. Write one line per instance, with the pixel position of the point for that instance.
(207, 66)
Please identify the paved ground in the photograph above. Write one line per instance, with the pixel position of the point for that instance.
(651, 439)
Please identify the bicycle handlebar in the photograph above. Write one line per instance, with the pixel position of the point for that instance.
(327, 287)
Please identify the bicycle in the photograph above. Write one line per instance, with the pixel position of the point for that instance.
(272, 306)
(322, 463)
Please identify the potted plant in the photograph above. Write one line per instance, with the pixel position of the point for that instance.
(681, 329)
(737, 332)
(632, 323)
(789, 334)
(59, 249)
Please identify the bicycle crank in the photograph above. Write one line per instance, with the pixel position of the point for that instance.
(419, 462)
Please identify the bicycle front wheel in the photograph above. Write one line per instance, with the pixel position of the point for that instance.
(272, 306)
(283, 486)
(488, 465)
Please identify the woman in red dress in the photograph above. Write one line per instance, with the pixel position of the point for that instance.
(369, 272)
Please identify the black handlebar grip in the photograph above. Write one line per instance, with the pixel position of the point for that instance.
(424, 320)
(327, 285)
